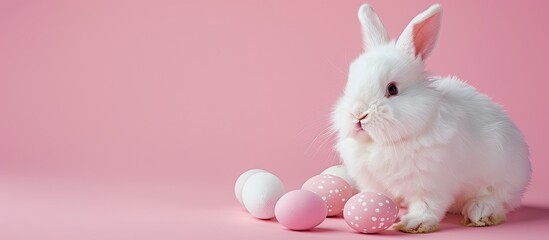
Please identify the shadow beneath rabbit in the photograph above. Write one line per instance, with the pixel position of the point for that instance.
(524, 214)
(529, 214)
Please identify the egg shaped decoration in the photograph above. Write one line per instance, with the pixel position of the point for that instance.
(332, 189)
(241, 180)
(260, 194)
(300, 210)
(341, 171)
(369, 212)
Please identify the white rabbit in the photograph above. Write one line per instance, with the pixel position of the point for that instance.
(433, 144)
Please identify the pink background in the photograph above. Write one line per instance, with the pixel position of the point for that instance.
(133, 119)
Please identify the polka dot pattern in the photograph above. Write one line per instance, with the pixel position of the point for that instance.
(369, 212)
(332, 189)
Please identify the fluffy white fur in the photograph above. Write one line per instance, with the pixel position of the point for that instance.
(437, 146)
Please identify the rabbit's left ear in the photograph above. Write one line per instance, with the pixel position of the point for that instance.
(420, 36)
(373, 31)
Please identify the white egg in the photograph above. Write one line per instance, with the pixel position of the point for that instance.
(241, 180)
(260, 194)
(341, 171)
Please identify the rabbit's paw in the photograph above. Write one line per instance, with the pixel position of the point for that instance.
(417, 223)
(483, 211)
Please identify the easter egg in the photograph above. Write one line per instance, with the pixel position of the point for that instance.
(260, 194)
(300, 210)
(369, 212)
(341, 171)
(332, 189)
(241, 180)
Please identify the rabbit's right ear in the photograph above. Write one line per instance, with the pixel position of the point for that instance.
(420, 36)
(373, 31)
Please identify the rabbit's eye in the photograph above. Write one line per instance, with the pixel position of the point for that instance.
(392, 89)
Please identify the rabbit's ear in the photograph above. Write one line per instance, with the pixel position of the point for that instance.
(373, 31)
(420, 36)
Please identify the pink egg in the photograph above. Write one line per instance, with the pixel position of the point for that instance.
(332, 189)
(369, 212)
(300, 210)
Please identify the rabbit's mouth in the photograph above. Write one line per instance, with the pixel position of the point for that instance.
(359, 120)
(360, 133)
(358, 127)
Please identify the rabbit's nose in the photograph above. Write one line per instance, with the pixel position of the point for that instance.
(359, 117)
(358, 109)
(362, 116)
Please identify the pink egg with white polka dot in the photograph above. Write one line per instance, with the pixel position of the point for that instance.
(332, 189)
(369, 212)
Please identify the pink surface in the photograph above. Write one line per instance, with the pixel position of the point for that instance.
(133, 119)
